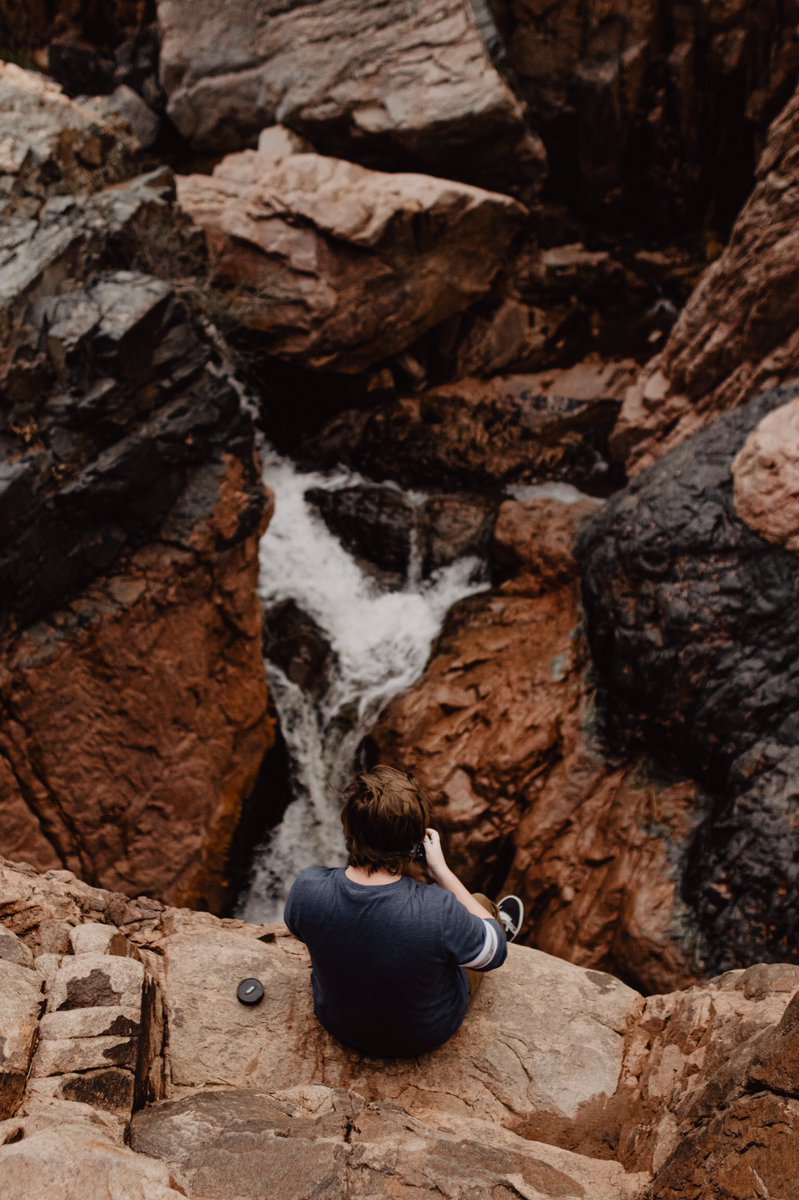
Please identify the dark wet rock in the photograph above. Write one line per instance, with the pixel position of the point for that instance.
(375, 524)
(80, 67)
(476, 434)
(693, 621)
(651, 116)
(94, 465)
(295, 643)
(393, 535)
(452, 527)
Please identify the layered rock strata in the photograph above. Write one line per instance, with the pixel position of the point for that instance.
(690, 596)
(562, 1081)
(337, 266)
(737, 335)
(386, 84)
(132, 683)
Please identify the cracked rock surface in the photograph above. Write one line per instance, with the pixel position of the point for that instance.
(150, 1080)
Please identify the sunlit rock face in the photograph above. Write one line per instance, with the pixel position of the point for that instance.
(131, 507)
(692, 620)
(407, 86)
(337, 266)
(738, 333)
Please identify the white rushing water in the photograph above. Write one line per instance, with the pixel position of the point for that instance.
(381, 640)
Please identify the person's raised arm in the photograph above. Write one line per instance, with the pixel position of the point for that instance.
(444, 877)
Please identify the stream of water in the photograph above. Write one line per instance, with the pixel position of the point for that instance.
(381, 640)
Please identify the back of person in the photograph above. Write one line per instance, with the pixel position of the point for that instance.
(392, 958)
(389, 962)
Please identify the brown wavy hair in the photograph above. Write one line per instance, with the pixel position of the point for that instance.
(384, 813)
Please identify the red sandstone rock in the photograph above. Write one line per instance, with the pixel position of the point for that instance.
(499, 731)
(479, 434)
(338, 266)
(739, 333)
(131, 673)
(136, 774)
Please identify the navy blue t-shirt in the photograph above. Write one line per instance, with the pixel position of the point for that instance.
(389, 960)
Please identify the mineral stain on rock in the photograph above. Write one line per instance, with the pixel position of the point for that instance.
(91, 991)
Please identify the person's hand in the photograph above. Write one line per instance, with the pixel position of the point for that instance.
(436, 863)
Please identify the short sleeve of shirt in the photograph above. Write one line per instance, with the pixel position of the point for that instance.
(470, 940)
(292, 913)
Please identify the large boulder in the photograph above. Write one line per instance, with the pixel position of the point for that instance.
(692, 619)
(546, 1067)
(410, 86)
(337, 266)
(739, 332)
(131, 506)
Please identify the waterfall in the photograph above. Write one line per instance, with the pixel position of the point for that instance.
(381, 640)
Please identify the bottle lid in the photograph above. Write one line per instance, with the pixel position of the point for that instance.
(250, 991)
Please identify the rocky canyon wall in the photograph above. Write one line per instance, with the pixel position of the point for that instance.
(467, 252)
(132, 686)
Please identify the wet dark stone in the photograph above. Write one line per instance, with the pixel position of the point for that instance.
(454, 526)
(693, 620)
(106, 463)
(374, 524)
(475, 436)
(383, 529)
(295, 643)
(80, 68)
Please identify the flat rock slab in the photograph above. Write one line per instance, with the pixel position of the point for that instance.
(339, 266)
(543, 1039)
(243, 1145)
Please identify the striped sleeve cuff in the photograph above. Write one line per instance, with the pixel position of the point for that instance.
(489, 948)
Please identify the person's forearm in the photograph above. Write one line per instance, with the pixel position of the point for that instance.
(447, 879)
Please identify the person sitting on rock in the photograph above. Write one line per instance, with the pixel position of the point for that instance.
(394, 960)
